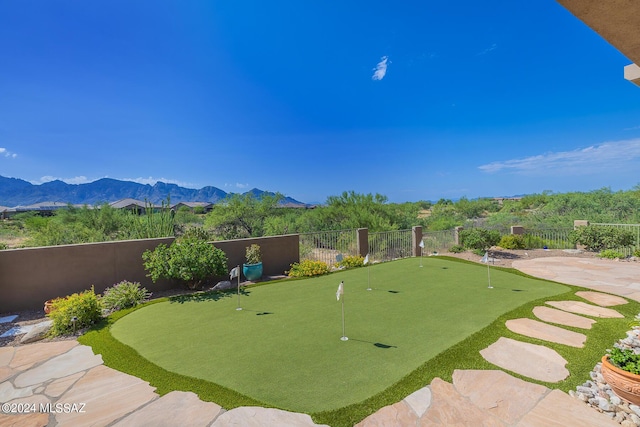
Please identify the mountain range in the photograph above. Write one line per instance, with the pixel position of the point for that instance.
(17, 192)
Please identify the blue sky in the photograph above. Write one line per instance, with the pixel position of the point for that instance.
(412, 100)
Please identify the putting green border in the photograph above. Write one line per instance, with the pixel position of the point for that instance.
(464, 355)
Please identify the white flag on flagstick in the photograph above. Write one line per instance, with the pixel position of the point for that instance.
(340, 290)
(485, 258)
(421, 244)
(366, 260)
(234, 272)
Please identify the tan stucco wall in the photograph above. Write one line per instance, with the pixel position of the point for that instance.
(30, 276)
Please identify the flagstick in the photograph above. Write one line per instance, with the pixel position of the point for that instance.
(344, 337)
(421, 249)
(238, 308)
(489, 272)
(368, 278)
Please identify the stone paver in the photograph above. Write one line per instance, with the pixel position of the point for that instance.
(177, 408)
(558, 409)
(503, 396)
(57, 387)
(450, 408)
(560, 317)
(618, 278)
(119, 395)
(6, 354)
(531, 360)
(599, 298)
(398, 414)
(253, 416)
(27, 356)
(419, 401)
(75, 360)
(579, 307)
(543, 331)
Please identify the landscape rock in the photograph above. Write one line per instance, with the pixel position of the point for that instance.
(38, 332)
(224, 285)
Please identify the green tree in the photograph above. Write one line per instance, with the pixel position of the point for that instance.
(242, 216)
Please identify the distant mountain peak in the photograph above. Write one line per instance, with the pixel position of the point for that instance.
(17, 192)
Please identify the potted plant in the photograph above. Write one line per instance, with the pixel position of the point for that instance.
(621, 370)
(252, 269)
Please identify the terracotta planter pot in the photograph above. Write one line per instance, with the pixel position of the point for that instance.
(48, 305)
(625, 384)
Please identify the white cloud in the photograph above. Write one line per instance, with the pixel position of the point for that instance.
(582, 161)
(74, 180)
(152, 181)
(487, 50)
(381, 69)
(237, 185)
(7, 153)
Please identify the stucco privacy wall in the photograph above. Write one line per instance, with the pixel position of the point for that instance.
(30, 276)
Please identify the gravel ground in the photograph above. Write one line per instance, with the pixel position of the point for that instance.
(501, 258)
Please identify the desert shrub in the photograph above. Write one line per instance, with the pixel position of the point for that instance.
(598, 238)
(190, 260)
(636, 253)
(532, 242)
(308, 268)
(252, 254)
(479, 238)
(124, 295)
(3, 246)
(610, 254)
(84, 306)
(456, 249)
(512, 241)
(479, 252)
(351, 261)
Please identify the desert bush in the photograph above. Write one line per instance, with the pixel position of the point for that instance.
(636, 253)
(84, 306)
(252, 254)
(533, 242)
(456, 249)
(512, 241)
(611, 254)
(479, 252)
(479, 238)
(124, 295)
(351, 261)
(189, 260)
(308, 268)
(597, 238)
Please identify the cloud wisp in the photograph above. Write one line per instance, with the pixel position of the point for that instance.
(381, 69)
(487, 50)
(6, 153)
(582, 161)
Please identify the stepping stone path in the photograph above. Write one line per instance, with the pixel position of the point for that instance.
(584, 308)
(533, 328)
(604, 300)
(560, 317)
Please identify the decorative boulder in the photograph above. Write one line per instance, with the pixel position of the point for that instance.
(38, 332)
(224, 285)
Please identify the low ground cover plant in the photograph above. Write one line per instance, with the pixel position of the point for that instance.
(308, 268)
(124, 295)
(611, 254)
(456, 249)
(74, 312)
(626, 360)
(351, 261)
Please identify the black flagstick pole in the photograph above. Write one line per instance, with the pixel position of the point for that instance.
(238, 308)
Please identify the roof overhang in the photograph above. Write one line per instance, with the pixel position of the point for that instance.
(618, 22)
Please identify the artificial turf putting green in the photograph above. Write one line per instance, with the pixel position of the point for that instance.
(284, 347)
